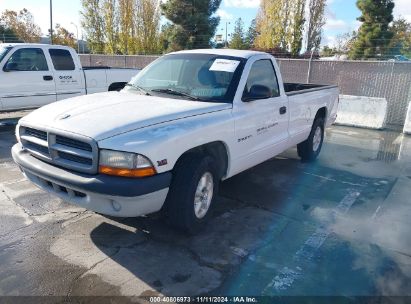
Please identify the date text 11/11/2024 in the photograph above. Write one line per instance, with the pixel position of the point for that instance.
(203, 299)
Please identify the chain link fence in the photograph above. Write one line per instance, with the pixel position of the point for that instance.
(390, 80)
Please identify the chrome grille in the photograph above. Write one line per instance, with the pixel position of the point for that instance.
(36, 133)
(37, 147)
(75, 158)
(64, 149)
(65, 141)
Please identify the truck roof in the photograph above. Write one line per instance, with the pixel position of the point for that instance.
(223, 52)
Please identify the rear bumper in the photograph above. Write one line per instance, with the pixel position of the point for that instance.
(115, 196)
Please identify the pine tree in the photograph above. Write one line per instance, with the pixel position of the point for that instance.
(374, 35)
(237, 38)
(194, 23)
(251, 34)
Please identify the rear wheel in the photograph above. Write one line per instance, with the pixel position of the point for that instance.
(192, 191)
(309, 149)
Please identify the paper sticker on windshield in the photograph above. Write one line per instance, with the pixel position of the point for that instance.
(224, 65)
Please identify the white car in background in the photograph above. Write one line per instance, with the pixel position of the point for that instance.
(33, 75)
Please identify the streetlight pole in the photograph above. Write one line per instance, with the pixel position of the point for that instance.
(78, 42)
(51, 21)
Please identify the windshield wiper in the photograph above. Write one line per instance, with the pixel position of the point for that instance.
(138, 88)
(178, 93)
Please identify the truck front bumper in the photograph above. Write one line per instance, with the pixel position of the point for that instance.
(110, 195)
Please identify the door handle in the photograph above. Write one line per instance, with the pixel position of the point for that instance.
(48, 77)
(283, 110)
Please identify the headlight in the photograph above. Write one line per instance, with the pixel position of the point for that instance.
(125, 164)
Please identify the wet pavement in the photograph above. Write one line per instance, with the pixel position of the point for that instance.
(338, 227)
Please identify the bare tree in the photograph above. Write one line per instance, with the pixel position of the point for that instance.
(284, 30)
(344, 42)
(315, 23)
(297, 26)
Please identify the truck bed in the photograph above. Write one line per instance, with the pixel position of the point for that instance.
(301, 88)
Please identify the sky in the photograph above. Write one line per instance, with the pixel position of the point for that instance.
(340, 14)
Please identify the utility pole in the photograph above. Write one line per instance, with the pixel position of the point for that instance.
(226, 33)
(51, 21)
(78, 42)
(82, 41)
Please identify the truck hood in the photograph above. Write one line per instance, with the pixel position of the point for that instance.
(104, 115)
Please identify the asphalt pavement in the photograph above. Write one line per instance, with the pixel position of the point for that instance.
(337, 227)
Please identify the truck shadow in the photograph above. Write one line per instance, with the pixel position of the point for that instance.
(254, 210)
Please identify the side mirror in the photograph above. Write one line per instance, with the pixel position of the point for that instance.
(10, 66)
(257, 91)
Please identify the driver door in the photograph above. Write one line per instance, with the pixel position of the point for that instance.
(262, 124)
(26, 80)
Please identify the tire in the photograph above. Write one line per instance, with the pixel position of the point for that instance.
(309, 149)
(192, 172)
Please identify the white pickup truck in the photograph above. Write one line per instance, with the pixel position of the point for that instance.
(32, 75)
(185, 122)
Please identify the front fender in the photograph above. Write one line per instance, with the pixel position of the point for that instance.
(164, 143)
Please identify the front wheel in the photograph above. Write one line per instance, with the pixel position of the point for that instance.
(309, 149)
(192, 191)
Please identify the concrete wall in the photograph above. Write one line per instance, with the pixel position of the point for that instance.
(407, 124)
(389, 80)
(365, 112)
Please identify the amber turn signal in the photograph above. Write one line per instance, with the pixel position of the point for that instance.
(142, 172)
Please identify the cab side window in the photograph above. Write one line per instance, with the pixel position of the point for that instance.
(27, 59)
(62, 60)
(262, 73)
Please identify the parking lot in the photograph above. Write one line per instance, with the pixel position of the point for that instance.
(337, 227)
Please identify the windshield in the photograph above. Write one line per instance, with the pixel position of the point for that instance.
(4, 51)
(203, 77)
